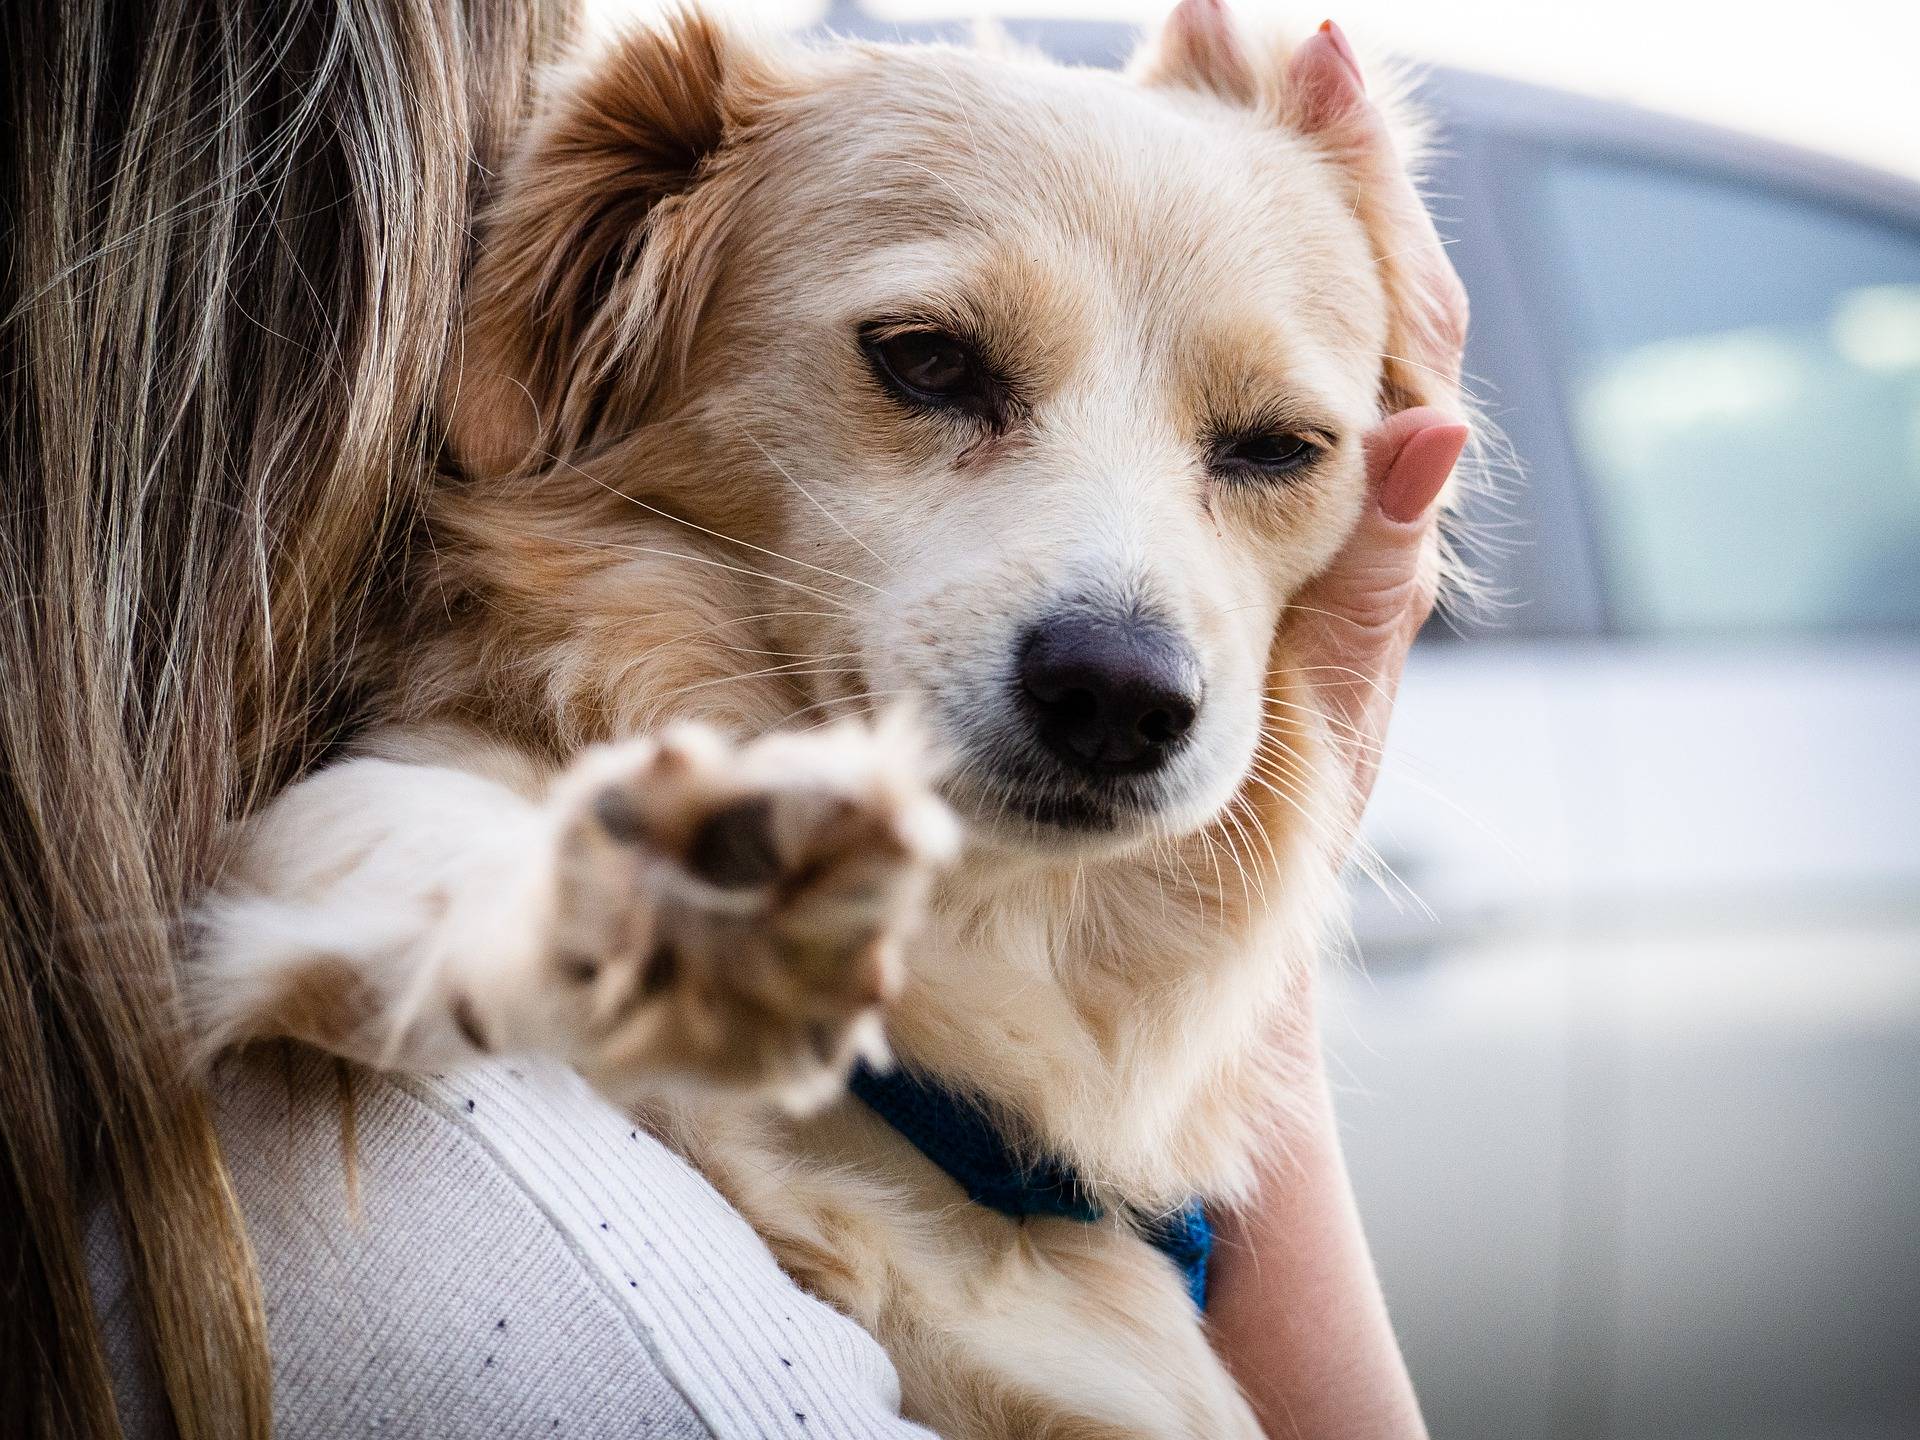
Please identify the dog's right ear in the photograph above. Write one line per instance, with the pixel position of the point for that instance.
(1316, 91)
(602, 246)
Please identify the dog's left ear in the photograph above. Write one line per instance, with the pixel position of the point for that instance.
(602, 248)
(1316, 90)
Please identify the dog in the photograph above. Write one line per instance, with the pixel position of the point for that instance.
(860, 590)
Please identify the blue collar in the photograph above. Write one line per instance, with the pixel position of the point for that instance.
(960, 1137)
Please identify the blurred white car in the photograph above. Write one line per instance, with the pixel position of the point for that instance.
(1633, 1102)
(1632, 1089)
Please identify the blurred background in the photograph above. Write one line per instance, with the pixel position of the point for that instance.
(1629, 1052)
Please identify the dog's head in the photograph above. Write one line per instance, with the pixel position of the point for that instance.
(1039, 391)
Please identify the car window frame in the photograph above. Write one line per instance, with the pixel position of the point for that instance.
(1539, 560)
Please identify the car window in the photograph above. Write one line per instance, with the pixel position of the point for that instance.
(1744, 393)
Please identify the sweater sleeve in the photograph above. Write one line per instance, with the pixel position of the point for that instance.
(521, 1261)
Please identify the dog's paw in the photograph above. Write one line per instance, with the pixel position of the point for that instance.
(731, 915)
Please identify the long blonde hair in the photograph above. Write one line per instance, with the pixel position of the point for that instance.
(231, 251)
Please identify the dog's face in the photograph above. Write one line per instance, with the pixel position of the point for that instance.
(1077, 372)
(1049, 387)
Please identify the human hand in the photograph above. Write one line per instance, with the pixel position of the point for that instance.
(1358, 620)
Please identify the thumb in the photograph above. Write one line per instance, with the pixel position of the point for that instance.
(1378, 585)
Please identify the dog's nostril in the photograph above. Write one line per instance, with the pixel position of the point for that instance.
(1109, 695)
(1163, 727)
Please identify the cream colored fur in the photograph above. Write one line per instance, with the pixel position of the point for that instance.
(695, 548)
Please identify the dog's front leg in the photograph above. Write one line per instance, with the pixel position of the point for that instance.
(664, 911)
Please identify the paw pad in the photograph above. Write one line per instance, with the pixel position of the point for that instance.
(733, 848)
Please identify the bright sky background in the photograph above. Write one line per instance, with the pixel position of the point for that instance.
(1841, 75)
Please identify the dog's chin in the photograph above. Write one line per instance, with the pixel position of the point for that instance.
(1028, 815)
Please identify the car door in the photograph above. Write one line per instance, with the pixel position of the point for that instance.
(1723, 958)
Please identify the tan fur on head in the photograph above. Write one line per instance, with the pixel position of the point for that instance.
(578, 307)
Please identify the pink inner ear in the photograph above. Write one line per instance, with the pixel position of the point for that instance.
(1324, 83)
(1199, 47)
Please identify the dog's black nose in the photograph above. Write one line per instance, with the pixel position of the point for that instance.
(1109, 695)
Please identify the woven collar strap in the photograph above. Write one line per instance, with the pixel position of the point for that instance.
(960, 1137)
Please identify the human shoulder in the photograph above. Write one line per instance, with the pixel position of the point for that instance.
(507, 1254)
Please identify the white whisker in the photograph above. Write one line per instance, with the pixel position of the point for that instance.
(834, 519)
(716, 534)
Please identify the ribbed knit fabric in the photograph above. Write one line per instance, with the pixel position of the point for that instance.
(524, 1263)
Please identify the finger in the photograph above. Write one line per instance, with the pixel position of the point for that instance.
(1376, 588)
(1383, 446)
(1419, 472)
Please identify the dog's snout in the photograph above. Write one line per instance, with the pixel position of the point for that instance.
(1109, 695)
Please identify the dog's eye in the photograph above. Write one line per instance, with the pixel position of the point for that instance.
(930, 369)
(927, 361)
(1264, 453)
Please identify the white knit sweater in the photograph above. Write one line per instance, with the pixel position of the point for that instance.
(524, 1263)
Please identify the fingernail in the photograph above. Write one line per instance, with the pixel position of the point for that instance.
(1420, 470)
(1337, 37)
